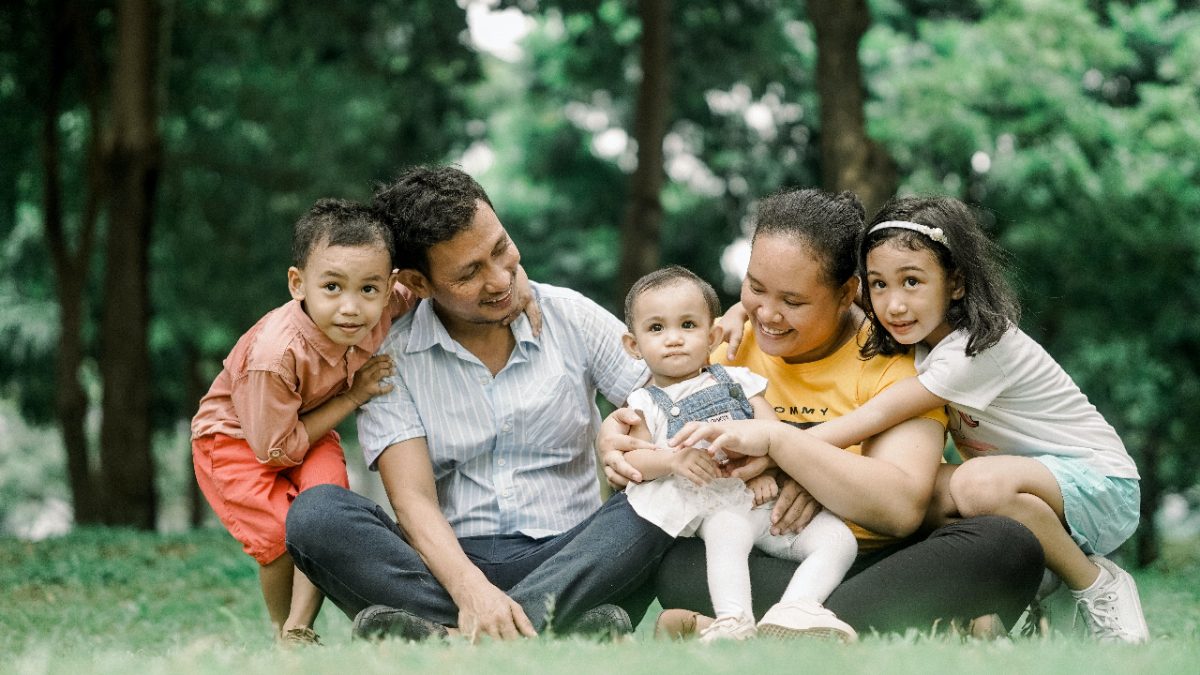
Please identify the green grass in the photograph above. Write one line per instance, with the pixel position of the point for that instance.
(114, 601)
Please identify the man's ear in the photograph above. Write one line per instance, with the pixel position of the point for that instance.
(417, 283)
(630, 345)
(296, 283)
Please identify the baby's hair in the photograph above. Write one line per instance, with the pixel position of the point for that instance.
(336, 222)
(988, 307)
(668, 276)
(828, 224)
(427, 205)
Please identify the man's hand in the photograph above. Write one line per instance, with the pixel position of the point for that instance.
(368, 381)
(695, 465)
(486, 610)
(614, 441)
(794, 508)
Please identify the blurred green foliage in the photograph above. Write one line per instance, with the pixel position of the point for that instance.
(1075, 126)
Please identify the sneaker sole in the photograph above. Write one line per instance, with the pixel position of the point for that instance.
(770, 630)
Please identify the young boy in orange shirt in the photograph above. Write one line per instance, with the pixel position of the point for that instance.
(265, 430)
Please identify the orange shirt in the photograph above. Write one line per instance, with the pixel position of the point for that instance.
(282, 368)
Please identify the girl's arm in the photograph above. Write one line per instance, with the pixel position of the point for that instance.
(733, 327)
(902, 401)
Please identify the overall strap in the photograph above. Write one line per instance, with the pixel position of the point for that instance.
(735, 390)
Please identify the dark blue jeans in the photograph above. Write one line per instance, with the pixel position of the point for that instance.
(973, 567)
(352, 550)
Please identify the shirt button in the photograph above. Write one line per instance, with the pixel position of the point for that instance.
(275, 452)
(500, 462)
(508, 493)
(505, 427)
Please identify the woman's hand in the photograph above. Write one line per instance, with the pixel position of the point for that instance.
(794, 508)
(613, 441)
(733, 326)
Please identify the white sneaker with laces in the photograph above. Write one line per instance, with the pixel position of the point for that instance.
(729, 627)
(804, 618)
(1112, 609)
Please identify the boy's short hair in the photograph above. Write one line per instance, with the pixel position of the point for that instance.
(666, 276)
(425, 206)
(337, 222)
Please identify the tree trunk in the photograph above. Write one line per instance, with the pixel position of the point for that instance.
(1147, 532)
(641, 231)
(197, 386)
(70, 267)
(125, 433)
(850, 160)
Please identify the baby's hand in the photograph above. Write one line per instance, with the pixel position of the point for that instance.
(369, 380)
(764, 488)
(695, 465)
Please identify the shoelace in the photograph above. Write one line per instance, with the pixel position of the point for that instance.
(1100, 614)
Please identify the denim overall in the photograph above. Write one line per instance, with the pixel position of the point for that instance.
(722, 401)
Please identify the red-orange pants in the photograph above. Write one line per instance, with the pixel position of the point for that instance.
(251, 498)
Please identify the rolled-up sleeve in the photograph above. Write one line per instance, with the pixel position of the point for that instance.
(269, 410)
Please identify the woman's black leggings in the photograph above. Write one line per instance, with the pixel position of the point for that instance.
(973, 567)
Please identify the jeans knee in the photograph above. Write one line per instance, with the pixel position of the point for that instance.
(309, 517)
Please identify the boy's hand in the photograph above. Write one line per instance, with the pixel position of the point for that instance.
(525, 303)
(764, 488)
(369, 380)
(733, 326)
(695, 465)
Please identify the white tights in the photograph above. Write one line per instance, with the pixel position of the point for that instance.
(825, 549)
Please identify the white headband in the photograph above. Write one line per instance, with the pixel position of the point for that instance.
(934, 233)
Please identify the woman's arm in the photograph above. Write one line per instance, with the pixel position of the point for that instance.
(886, 489)
(903, 400)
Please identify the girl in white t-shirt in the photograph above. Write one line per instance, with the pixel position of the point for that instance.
(670, 315)
(1036, 449)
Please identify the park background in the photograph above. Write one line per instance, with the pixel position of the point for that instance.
(156, 152)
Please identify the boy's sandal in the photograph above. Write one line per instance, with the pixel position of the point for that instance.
(299, 637)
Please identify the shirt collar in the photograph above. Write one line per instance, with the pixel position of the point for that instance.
(428, 331)
(332, 352)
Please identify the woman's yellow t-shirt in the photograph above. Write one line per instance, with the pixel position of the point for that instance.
(805, 394)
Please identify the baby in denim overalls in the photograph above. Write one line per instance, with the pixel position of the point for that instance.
(670, 315)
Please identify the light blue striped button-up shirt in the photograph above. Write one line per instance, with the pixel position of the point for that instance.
(513, 453)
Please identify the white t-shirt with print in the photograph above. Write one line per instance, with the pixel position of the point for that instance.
(1014, 399)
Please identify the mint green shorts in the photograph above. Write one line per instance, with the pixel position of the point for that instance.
(1102, 511)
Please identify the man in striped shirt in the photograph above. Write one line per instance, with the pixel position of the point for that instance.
(485, 446)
